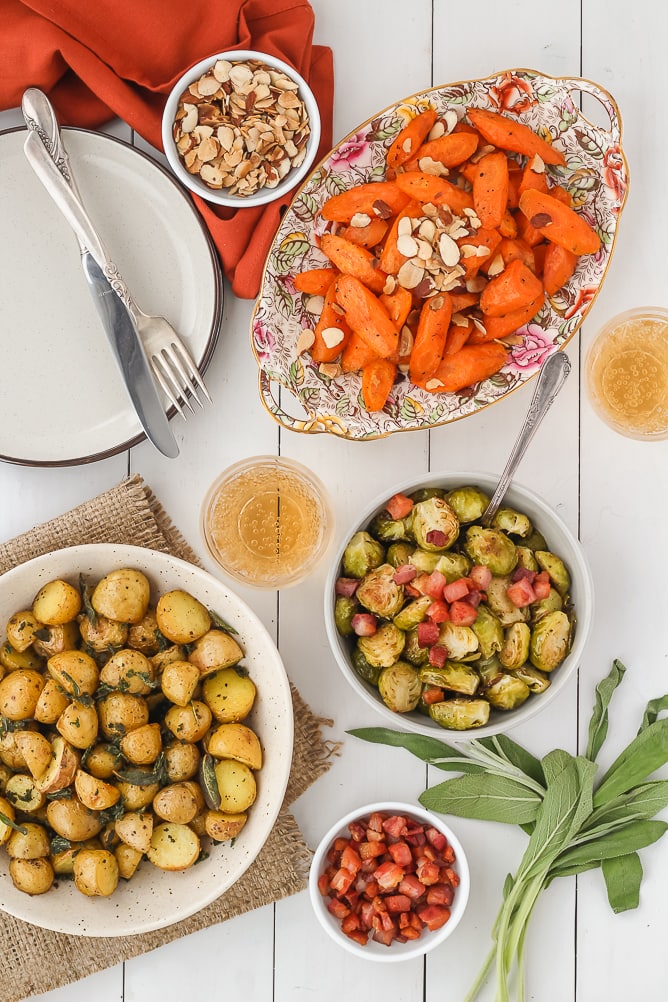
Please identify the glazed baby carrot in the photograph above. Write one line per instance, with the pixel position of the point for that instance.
(373, 198)
(398, 305)
(315, 281)
(510, 249)
(391, 259)
(352, 260)
(497, 327)
(462, 300)
(356, 354)
(366, 236)
(532, 179)
(331, 331)
(428, 188)
(450, 150)
(558, 266)
(377, 381)
(366, 315)
(558, 222)
(407, 141)
(490, 188)
(513, 289)
(511, 135)
(458, 336)
(432, 332)
(469, 365)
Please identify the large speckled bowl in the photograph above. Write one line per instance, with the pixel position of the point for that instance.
(154, 898)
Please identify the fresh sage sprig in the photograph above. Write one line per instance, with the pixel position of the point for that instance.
(575, 820)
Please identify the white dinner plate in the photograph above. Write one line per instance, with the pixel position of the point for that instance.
(63, 400)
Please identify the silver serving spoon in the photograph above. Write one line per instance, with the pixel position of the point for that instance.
(550, 380)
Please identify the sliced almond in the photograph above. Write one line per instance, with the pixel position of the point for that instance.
(538, 164)
(329, 369)
(404, 226)
(406, 245)
(305, 341)
(496, 266)
(360, 219)
(434, 384)
(437, 130)
(451, 119)
(448, 249)
(332, 336)
(410, 275)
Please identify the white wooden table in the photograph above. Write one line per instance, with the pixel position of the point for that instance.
(608, 489)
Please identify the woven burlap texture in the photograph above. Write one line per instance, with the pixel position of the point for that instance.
(34, 960)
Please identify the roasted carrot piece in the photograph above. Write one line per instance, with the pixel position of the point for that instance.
(398, 305)
(366, 315)
(558, 223)
(511, 249)
(315, 281)
(458, 336)
(352, 260)
(508, 224)
(375, 198)
(430, 338)
(514, 181)
(532, 179)
(356, 354)
(558, 266)
(561, 195)
(331, 331)
(514, 288)
(490, 188)
(366, 236)
(539, 252)
(468, 366)
(462, 300)
(377, 381)
(497, 327)
(450, 150)
(410, 138)
(511, 135)
(438, 191)
(391, 259)
(527, 232)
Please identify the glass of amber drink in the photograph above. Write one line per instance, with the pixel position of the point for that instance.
(626, 372)
(267, 521)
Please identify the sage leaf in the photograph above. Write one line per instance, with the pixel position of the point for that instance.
(652, 711)
(430, 750)
(485, 798)
(598, 725)
(639, 804)
(633, 836)
(623, 877)
(647, 752)
(516, 755)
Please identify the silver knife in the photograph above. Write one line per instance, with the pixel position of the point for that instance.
(116, 318)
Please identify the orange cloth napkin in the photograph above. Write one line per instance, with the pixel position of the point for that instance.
(100, 59)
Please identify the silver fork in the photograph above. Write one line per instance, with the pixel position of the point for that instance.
(173, 366)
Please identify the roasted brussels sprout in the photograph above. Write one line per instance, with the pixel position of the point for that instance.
(556, 568)
(460, 642)
(526, 558)
(460, 714)
(453, 566)
(399, 554)
(362, 554)
(491, 548)
(413, 651)
(468, 502)
(400, 687)
(454, 676)
(552, 603)
(500, 604)
(535, 541)
(424, 493)
(489, 669)
(488, 630)
(515, 649)
(412, 613)
(507, 692)
(435, 525)
(390, 530)
(344, 610)
(425, 562)
(514, 522)
(385, 646)
(550, 641)
(536, 680)
(379, 593)
(369, 673)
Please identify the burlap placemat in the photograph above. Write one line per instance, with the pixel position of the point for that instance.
(34, 960)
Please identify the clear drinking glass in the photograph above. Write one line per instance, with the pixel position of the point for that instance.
(267, 521)
(626, 373)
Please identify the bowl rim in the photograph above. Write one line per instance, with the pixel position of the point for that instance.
(264, 195)
(584, 610)
(56, 919)
(398, 951)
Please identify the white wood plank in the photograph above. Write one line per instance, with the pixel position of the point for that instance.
(106, 986)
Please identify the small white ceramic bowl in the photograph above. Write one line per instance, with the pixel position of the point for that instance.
(156, 898)
(263, 195)
(396, 951)
(560, 540)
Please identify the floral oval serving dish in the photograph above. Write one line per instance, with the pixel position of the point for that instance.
(309, 397)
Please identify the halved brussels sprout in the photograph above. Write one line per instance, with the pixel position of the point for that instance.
(536, 680)
(487, 628)
(489, 670)
(379, 593)
(556, 568)
(526, 558)
(460, 642)
(424, 493)
(413, 613)
(425, 562)
(460, 714)
(514, 522)
(435, 525)
(453, 566)
(507, 692)
(365, 671)
(458, 677)
(515, 650)
(412, 651)
(535, 541)
(390, 530)
(399, 554)
(384, 647)
(498, 601)
(491, 548)
(550, 641)
(362, 554)
(468, 502)
(344, 610)
(552, 603)
(400, 687)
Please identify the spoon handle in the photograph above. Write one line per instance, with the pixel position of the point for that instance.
(550, 380)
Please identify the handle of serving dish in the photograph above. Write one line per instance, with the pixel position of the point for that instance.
(313, 424)
(604, 98)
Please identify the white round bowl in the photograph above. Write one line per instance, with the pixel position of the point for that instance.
(396, 951)
(155, 898)
(560, 540)
(263, 195)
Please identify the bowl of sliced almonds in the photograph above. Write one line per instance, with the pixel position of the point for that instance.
(241, 128)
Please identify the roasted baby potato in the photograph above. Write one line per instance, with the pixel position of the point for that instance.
(57, 602)
(230, 695)
(181, 617)
(122, 595)
(173, 847)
